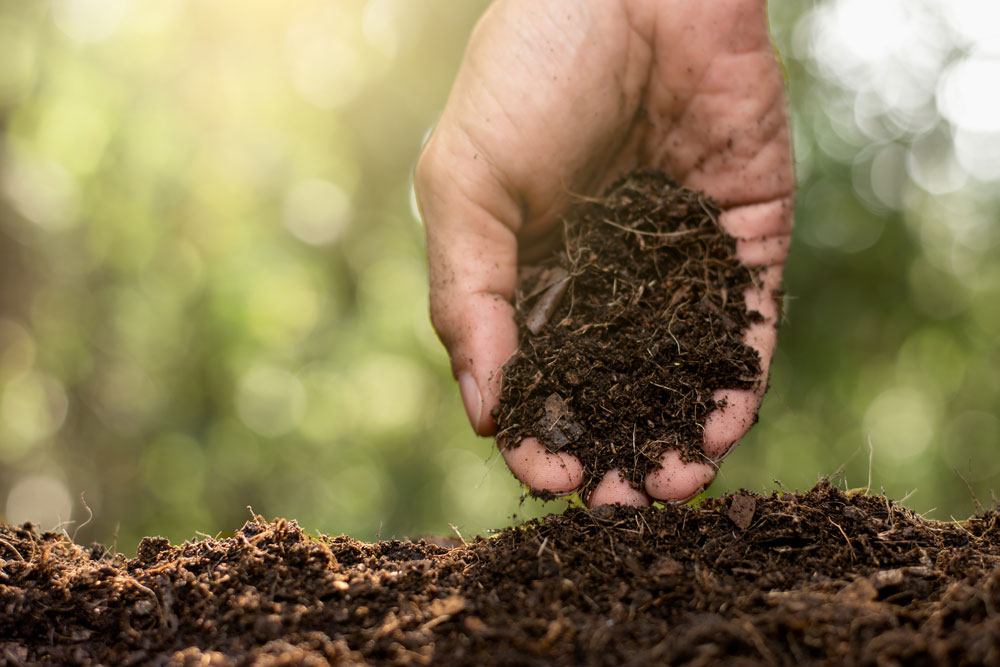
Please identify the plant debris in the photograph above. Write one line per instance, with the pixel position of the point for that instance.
(628, 331)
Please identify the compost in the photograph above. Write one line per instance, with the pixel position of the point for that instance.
(627, 331)
(824, 577)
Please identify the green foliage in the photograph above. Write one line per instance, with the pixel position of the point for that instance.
(212, 281)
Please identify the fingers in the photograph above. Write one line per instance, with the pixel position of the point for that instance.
(738, 407)
(528, 121)
(716, 122)
(762, 233)
(719, 123)
(470, 220)
(542, 470)
(717, 112)
(728, 423)
(677, 481)
(724, 427)
(612, 489)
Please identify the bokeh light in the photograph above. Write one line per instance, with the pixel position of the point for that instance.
(41, 499)
(888, 341)
(213, 287)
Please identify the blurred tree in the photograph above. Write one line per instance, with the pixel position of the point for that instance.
(212, 283)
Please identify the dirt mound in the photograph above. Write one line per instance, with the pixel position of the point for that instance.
(628, 331)
(821, 577)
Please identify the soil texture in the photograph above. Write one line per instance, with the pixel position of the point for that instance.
(628, 331)
(823, 577)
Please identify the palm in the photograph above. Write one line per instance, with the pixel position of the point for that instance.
(556, 98)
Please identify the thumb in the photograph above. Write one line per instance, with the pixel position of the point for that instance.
(470, 221)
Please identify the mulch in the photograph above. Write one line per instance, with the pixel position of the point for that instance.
(823, 577)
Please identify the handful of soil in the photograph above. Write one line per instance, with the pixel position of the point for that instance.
(628, 331)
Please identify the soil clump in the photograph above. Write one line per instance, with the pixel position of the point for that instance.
(628, 331)
(822, 577)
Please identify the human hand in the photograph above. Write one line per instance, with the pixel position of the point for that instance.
(556, 97)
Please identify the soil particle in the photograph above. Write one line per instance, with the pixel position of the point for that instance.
(741, 510)
(628, 330)
(816, 578)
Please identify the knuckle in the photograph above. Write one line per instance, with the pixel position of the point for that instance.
(441, 319)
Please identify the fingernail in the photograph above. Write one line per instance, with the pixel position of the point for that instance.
(472, 398)
(721, 457)
(681, 501)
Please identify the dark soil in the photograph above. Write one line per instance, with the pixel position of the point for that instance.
(628, 331)
(818, 578)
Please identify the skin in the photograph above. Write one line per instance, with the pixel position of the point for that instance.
(559, 97)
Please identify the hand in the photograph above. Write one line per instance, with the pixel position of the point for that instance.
(562, 96)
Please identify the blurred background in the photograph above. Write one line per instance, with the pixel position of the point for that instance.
(212, 280)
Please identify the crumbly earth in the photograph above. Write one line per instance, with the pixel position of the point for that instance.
(628, 331)
(822, 577)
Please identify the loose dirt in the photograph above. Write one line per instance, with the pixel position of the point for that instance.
(817, 578)
(628, 330)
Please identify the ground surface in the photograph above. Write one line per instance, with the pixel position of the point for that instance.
(821, 577)
(628, 330)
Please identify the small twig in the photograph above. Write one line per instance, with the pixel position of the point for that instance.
(12, 548)
(979, 506)
(455, 529)
(580, 196)
(849, 545)
(114, 539)
(541, 549)
(90, 517)
(675, 339)
(961, 526)
(61, 527)
(148, 591)
(708, 211)
(871, 454)
(660, 235)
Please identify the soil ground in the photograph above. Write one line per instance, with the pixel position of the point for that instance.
(822, 577)
(627, 331)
